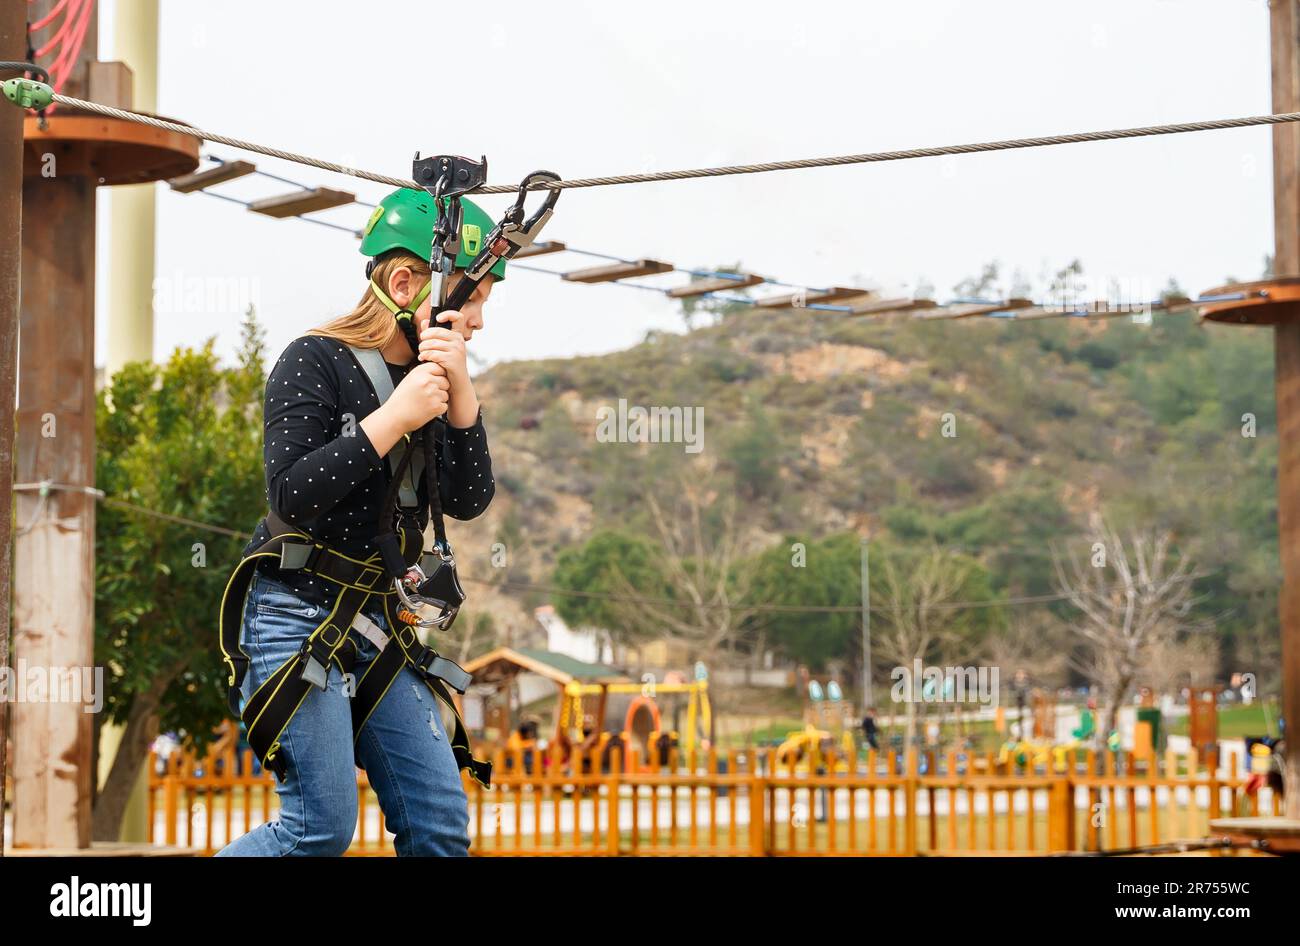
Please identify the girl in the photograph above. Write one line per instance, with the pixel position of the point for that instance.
(330, 440)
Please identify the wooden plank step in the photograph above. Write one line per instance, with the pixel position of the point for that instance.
(1040, 312)
(615, 271)
(965, 310)
(880, 306)
(788, 300)
(301, 202)
(541, 249)
(702, 287)
(188, 183)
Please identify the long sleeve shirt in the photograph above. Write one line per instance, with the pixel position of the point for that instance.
(324, 476)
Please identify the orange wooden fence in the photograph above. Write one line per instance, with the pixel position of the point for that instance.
(740, 802)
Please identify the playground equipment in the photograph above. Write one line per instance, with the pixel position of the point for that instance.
(598, 710)
(640, 722)
(826, 708)
(1035, 754)
(811, 749)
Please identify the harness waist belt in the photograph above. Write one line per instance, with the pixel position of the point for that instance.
(268, 711)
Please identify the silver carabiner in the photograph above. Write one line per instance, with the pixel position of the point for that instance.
(413, 602)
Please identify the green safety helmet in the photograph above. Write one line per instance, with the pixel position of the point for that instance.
(405, 218)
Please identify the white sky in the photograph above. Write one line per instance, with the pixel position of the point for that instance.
(604, 88)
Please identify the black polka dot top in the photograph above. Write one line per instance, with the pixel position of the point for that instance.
(323, 474)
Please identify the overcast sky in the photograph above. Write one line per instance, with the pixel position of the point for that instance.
(604, 88)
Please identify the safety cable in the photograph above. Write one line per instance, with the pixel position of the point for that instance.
(646, 178)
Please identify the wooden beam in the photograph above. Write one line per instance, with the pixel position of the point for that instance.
(228, 171)
(13, 47)
(804, 297)
(1284, 21)
(541, 249)
(111, 83)
(700, 287)
(54, 567)
(301, 202)
(615, 271)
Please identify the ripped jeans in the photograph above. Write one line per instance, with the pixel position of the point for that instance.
(403, 747)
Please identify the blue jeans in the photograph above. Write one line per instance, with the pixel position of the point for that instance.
(403, 747)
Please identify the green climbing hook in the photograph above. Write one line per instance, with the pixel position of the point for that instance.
(28, 93)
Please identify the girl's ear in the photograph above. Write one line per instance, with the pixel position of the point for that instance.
(399, 285)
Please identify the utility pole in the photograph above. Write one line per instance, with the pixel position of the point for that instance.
(1285, 31)
(868, 698)
(13, 47)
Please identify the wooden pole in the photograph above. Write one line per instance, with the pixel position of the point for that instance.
(13, 47)
(1285, 30)
(53, 611)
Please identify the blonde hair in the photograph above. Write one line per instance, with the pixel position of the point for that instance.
(370, 324)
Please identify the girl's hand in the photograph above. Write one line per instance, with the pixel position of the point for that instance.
(446, 348)
(420, 397)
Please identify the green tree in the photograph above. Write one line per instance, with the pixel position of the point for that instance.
(182, 439)
(612, 565)
(799, 573)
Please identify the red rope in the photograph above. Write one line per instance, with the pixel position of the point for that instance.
(68, 57)
(48, 18)
(64, 31)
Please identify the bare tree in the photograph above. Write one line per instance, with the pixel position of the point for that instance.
(1133, 599)
(1034, 643)
(703, 551)
(914, 603)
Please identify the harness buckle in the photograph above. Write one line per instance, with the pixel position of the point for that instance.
(432, 664)
(314, 670)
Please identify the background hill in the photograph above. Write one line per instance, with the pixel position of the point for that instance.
(822, 425)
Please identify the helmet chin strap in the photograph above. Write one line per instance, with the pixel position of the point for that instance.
(405, 316)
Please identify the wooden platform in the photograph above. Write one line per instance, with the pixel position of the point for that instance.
(1281, 835)
(1267, 302)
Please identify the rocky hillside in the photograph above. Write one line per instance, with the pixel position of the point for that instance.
(995, 435)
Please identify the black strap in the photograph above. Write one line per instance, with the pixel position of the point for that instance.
(404, 649)
(432, 485)
(268, 711)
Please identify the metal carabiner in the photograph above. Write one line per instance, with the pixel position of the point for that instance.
(530, 228)
(440, 588)
(509, 236)
(412, 601)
